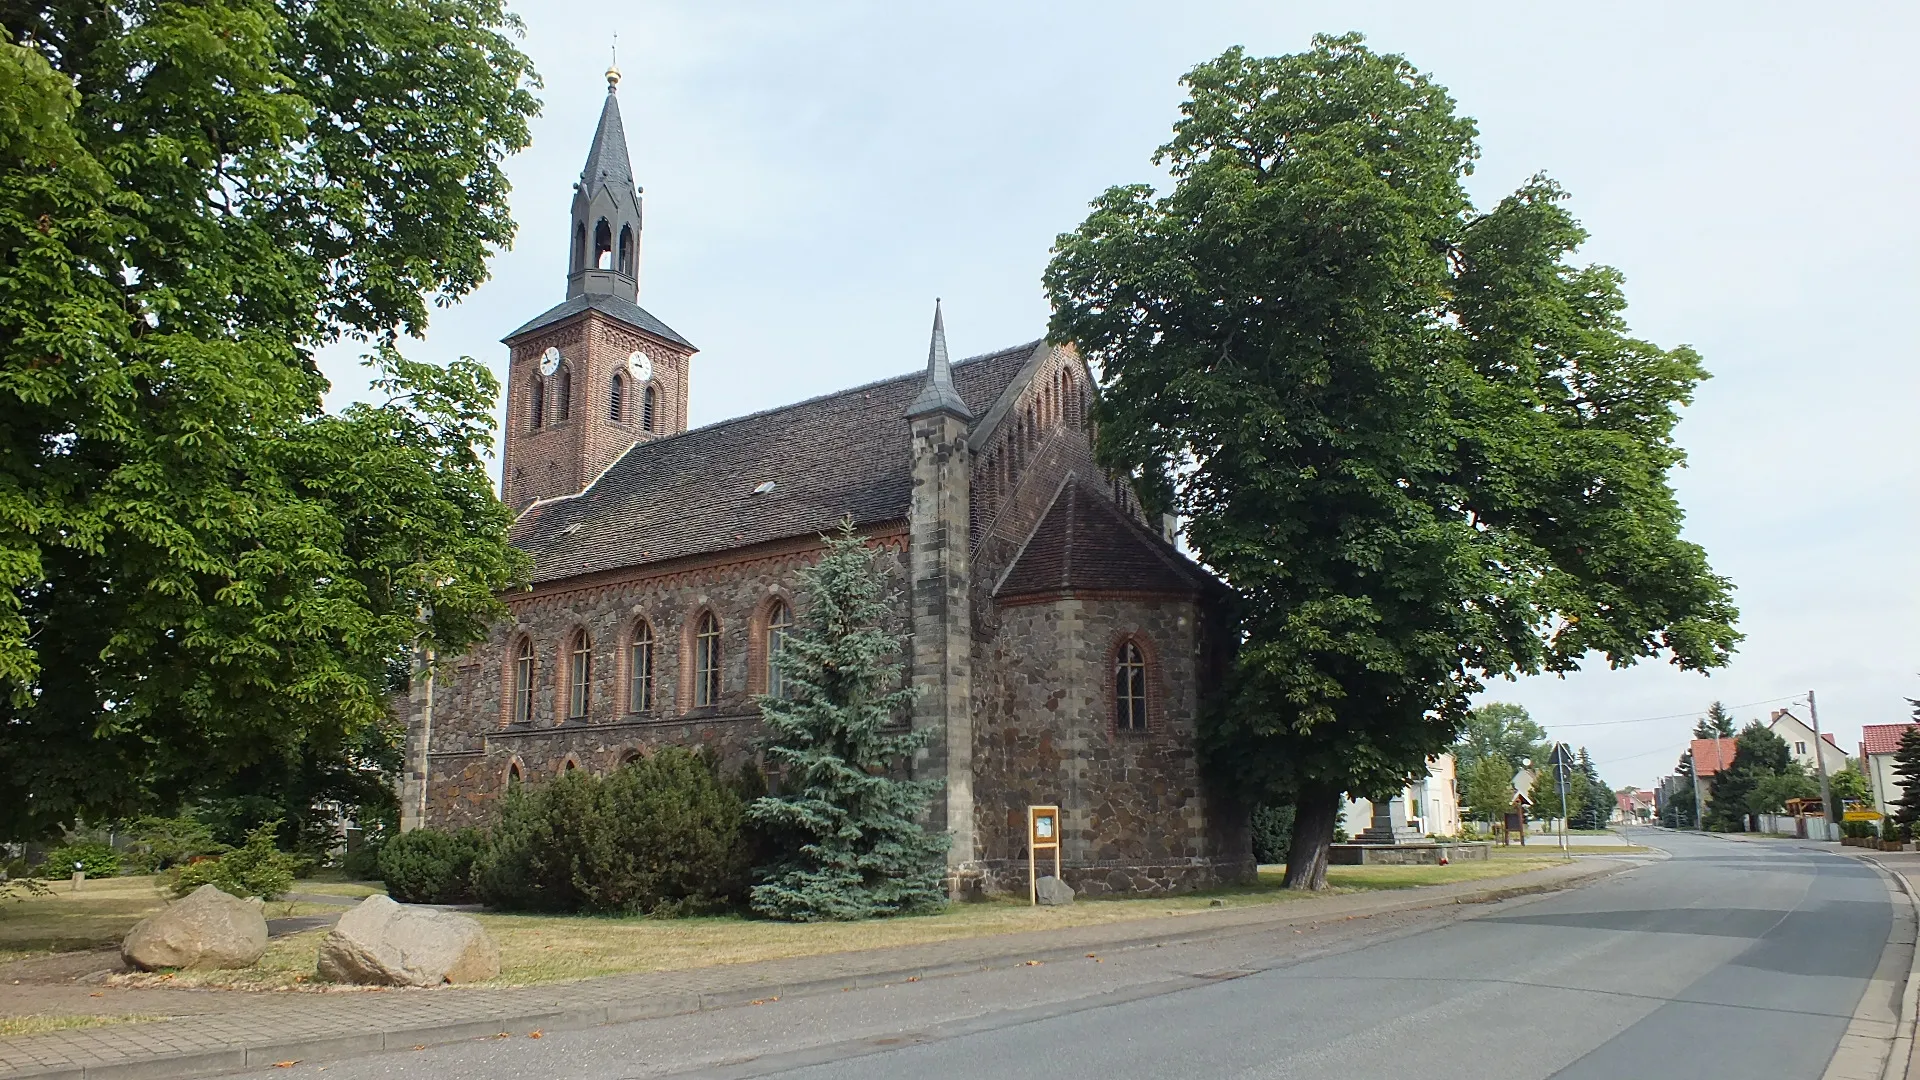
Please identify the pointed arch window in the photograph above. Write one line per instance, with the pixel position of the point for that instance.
(626, 250)
(564, 391)
(523, 683)
(538, 406)
(616, 397)
(580, 246)
(640, 668)
(706, 662)
(779, 624)
(1129, 688)
(603, 246)
(646, 409)
(579, 674)
(514, 777)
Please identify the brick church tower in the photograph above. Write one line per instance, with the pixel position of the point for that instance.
(597, 373)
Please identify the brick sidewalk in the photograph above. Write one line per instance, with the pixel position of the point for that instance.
(259, 1029)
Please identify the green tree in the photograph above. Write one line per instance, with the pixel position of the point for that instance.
(1503, 728)
(1488, 788)
(1596, 801)
(1850, 784)
(1758, 754)
(1906, 770)
(200, 570)
(1415, 440)
(847, 828)
(1770, 793)
(1717, 724)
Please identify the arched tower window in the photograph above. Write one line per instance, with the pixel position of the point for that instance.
(564, 390)
(616, 394)
(706, 662)
(580, 246)
(579, 674)
(514, 777)
(538, 406)
(640, 668)
(603, 246)
(646, 409)
(626, 250)
(523, 683)
(779, 624)
(1129, 688)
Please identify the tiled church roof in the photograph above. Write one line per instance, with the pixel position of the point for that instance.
(625, 310)
(1086, 542)
(845, 453)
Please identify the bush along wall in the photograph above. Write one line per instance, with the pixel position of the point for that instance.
(428, 866)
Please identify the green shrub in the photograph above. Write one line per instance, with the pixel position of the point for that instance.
(162, 843)
(97, 858)
(428, 866)
(1272, 833)
(361, 861)
(661, 835)
(255, 868)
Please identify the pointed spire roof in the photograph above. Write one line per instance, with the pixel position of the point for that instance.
(937, 394)
(607, 160)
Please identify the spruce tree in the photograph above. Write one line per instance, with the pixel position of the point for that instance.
(846, 827)
(1717, 724)
(1906, 766)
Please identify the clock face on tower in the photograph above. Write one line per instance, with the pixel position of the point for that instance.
(641, 365)
(550, 361)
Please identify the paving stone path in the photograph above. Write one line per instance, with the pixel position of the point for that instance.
(231, 1030)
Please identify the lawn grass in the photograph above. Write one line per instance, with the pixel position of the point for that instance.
(560, 948)
(11, 1026)
(99, 915)
(1545, 848)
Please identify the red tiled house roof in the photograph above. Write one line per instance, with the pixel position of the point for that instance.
(1711, 755)
(1881, 738)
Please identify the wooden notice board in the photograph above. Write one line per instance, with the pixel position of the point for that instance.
(1043, 831)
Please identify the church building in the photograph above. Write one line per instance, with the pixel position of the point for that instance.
(1061, 642)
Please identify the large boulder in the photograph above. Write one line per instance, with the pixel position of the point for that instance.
(381, 943)
(1050, 891)
(205, 929)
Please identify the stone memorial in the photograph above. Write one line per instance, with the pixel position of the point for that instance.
(206, 929)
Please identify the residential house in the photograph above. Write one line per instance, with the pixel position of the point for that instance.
(1426, 807)
(1878, 744)
(1800, 742)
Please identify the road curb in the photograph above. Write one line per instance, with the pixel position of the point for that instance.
(658, 1006)
(1900, 1058)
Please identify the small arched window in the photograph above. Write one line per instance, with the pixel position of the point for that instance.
(779, 623)
(564, 407)
(514, 777)
(706, 662)
(646, 409)
(626, 250)
(603, 246)
(1129, 688)
(537, 408)
(616, 395)
(640, 668)
(570, 766)
(580, 246)
(523, 683)
(579, 674)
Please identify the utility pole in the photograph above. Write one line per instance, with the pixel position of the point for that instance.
(1560, 767)
(1820, 760)
(1699, 805)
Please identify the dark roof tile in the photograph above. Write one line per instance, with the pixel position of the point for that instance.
(1086, 542)
(626, 311)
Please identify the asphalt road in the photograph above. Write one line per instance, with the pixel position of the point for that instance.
(1737, 960)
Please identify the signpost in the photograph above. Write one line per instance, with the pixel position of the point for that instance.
(1043, 831)
(1562, 762)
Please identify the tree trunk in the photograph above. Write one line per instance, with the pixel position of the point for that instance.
(1314, 815)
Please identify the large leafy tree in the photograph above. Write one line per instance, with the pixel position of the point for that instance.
(1503, 728)
(1487, 788)
(201, 572)
(1739, 797)
(1417, 441)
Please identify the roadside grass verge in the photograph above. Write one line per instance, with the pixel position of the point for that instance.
(561, 948)
(11, 1026)
(103, 910)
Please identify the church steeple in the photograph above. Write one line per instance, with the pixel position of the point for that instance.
(937, 394)
(606, 212)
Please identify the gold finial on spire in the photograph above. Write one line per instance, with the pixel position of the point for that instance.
(613, 67)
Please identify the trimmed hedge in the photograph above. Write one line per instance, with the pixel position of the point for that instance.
(428, 866)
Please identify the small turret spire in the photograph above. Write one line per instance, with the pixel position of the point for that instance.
(937, 395)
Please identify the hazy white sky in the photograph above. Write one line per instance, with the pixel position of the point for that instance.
(816, 173)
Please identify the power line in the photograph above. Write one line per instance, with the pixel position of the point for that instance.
(1674, 716)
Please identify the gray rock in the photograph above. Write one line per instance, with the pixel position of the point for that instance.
(381, 943)
(205, 929)
(1052, 891)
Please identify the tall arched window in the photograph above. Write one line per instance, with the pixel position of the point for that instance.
(646, 409)
(580, 246)
(564, 407)
(640, 668)
(580, 675)
(523, 683)
(706, 662)
(616, 395)
(538, 406)
(514, 777)
(779, 623)
(603, 246)
(626, 250)
(1129, 688)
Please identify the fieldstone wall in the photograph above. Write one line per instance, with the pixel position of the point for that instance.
(476, 743)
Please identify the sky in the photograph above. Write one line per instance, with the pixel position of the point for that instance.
(816, 174)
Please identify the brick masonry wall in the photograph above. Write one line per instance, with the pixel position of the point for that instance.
(475, 742)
